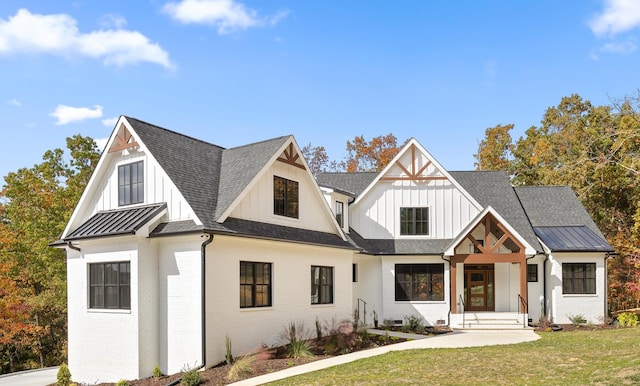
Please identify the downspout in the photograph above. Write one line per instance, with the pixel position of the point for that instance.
(449, 314)
(526, 259)
(203, 306)
(544, 284)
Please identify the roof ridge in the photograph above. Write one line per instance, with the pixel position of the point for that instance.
(259, 142)
(174, 132)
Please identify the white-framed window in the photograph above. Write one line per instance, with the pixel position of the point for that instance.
(131, 183)
(285, 197)
(255, 284)
(578, 278)
(340, 213)
(110, 285)
(321, 285)
(414, 221)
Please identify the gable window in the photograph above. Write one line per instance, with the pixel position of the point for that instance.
(321, 285)
(414, 221)
(110, 285)
(532, 272)
(579, 278)
(419, 282)
(340, 213)
(285, 197)
(255, 284)
(131, 183)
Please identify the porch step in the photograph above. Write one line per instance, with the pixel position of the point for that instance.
(492, 321)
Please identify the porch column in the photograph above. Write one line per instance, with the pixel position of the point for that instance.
(452, 287)
(523, 284)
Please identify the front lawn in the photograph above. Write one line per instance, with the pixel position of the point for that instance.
(606, 357)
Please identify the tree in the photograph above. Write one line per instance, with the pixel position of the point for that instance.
(369, 156)
(316, 157)
(35, 204)
(494, 151)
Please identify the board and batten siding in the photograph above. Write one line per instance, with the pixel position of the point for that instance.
(378, 214)
(257, 204)
(158, 187)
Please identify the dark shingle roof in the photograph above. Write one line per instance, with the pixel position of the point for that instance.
(555, 206)
(116, 222)
(354, 183)
(239, 166)
(572, 239)
(400, 246)
(493, 188)
(193, 165)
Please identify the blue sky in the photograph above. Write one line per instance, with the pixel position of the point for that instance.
(237, 71)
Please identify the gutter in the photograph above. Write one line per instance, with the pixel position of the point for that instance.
(203, 306)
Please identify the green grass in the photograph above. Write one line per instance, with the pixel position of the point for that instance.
(605, 357)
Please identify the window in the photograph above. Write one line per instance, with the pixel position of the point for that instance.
(321, 285)
(414, 221)
(285, 197)
(579, 278)
(532, 272)
(340, 213)
(130, 183)
(255, 284)
(354, 272)
(110, 285)
(419, 282)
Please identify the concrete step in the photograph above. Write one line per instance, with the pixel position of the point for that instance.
(492, 321)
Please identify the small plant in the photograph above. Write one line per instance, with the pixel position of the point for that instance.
(387, 324)
(415, 323)
(331, 345)
(228, 357)
(298, 347)
(577, 319)
(318, 328)
(122, 382)
(356, 319)
(242, 366)
(375, 319)
(190, 376)
(64, 376)
(628, 319)
(156, 372)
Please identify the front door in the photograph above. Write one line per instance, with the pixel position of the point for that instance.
(479, 288)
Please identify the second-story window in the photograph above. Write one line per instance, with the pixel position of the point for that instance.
(414, 221)
(340, 213)
(285, 197)
(131, 183)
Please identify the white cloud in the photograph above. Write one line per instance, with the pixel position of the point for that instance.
(110, 122)
(620, 48)
(14, 102)
(69, 114)
(618, 16)
(101, 142)
(112, 20)
(58, 34)
(226, 15)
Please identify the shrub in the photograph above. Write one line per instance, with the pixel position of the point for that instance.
(387, 324)
(298, 347)
(628, 319)
(318, 328)
(190, 376)
(122, 382)
(356, 319)
(156, 372)
(64, 376)
(577, 319)
(415, 323)
(242, 366)
(227, 353)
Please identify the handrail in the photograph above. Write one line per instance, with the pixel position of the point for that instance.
(463, 307)
(364, 306)
(525, 309)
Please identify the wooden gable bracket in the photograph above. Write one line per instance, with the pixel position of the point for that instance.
(124, 140)
(487, 247)
(413, 174)
(291, 159)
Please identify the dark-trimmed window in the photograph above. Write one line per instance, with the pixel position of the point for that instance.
(419, 282)
(532, 272)
(414, 221)
(285, 197)
(340, 213)
(131, 183)
(321, 285)
(578, 278)
(110, 285)
(255, 284)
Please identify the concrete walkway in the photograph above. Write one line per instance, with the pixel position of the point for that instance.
(37, 377)
(456, 339)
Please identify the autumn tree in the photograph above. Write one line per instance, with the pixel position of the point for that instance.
(370, 156)
(494, 151)
(35, 204)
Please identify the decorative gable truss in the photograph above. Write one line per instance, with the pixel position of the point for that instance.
(291, 157)
(123, 140)
(414, 166)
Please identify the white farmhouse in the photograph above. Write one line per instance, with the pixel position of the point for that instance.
(177, 243)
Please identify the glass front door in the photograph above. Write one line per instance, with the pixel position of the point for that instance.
(479, 288)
